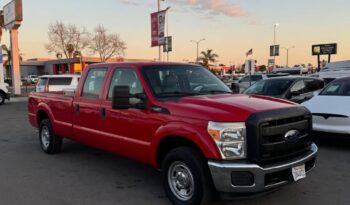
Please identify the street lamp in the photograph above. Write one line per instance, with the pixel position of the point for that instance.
(197, 42)
(287, 49)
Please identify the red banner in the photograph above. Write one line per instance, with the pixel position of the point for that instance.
(158, 28)
(154, 24)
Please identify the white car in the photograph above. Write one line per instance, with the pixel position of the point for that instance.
(330, 109)
(33, 78)
(57, 83)
(4, 93)
(246, 81)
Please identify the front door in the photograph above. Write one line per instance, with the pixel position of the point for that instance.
(129, 130)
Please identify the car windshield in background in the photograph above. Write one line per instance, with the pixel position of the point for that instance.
(338, 88)
(182, 80)
(273, 87)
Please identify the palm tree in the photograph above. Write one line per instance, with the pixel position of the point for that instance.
(208, 57)
(8, 62)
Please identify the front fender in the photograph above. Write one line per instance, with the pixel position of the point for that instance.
(197, 136)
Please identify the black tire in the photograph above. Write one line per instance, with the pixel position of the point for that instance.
(2, 98)
(49, 142)
(188, 160)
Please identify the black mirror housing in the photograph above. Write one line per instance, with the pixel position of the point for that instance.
(121, 97)
(235, 88)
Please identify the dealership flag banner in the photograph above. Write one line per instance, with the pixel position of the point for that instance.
(158, 28)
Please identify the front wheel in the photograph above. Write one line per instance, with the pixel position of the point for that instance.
(49, 142)
(186, 178)
(2, 98)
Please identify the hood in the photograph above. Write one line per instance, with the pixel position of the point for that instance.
(225, 107)
(338, 105)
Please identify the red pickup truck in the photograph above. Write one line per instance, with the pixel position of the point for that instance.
(183, 120)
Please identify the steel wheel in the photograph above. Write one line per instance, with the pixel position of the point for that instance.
(45, 137)
(181, 181)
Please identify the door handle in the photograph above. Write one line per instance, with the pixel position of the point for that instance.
(77, 108)
(103, 113)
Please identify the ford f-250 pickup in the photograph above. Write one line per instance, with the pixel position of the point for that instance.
(183, 120)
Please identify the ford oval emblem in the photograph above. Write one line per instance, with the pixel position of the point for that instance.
(292, 136)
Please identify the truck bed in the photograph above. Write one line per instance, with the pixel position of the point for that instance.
(59, 108)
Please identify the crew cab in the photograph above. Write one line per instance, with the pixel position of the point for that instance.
(4, 93)
(181, 119)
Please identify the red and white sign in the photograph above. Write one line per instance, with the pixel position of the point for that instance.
(158, 28)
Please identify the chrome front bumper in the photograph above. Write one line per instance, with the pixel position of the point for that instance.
(221, 173)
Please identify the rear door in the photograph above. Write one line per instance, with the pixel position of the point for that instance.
(86, 107)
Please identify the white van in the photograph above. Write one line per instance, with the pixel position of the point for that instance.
(57, 83)
(4, 93)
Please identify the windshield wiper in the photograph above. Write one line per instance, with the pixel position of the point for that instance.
(216, 92)
(179, 93)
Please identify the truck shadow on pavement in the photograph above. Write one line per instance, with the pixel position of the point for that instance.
(334, 141)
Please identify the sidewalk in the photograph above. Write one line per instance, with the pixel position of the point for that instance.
(19, 99)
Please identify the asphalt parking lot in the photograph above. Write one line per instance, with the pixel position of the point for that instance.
(83, 175)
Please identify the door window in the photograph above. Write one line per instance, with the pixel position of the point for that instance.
(126, 77)
(298, 87)
(93, 83)
(312, 85)
(60, 81)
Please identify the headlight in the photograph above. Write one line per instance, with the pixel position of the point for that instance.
(230, 139)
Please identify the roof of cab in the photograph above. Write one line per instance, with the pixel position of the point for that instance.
(140, 64)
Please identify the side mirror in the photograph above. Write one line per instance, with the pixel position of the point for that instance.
(121, 98)
(235, 88)
(295, 93)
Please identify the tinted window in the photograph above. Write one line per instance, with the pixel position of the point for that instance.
(254, 78)
(312, 85)
(126, 77)
(338, 88)
(273, 87)
(298, 87)
(93, 83)
(60, 81)
(42, 82)
(182, 80)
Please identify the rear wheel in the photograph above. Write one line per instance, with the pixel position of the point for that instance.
(49, 142)
(186, 179)
(2, 98)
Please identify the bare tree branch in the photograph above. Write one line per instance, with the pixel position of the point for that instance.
(106, 45)
(66, 39)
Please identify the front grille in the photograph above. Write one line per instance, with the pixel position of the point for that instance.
(266, 135)
(274, 147)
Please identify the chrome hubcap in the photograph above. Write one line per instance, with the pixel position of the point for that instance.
(181, 181)
(45, 137)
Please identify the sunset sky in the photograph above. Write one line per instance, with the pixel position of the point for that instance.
(231, 27)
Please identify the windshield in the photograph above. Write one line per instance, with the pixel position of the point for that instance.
(273, 87)
(182, 80)
(338, 88)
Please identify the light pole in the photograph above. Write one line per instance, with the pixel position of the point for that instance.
(287, 49)
(159, 48)
(167, 31)
(274, 43)
(197, 42)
